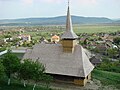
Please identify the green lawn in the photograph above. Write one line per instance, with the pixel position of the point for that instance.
(107, 78)
(18, 86)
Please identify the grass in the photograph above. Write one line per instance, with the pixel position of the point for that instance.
(18, 86)
(107, 78)
(96, 28)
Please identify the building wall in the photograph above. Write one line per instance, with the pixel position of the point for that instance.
(68, 45)
(81, 81)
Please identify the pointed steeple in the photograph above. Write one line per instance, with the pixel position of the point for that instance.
(69, 34)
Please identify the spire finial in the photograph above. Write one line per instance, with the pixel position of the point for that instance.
(68, 2)
(69, 34)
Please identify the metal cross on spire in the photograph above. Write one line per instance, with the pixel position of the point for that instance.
(69, 34)
(68, 2)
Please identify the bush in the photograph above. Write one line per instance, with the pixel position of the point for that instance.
(2, 49)
(107, 65)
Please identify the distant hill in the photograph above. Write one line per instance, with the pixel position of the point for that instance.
(61, 20)
(117, 21)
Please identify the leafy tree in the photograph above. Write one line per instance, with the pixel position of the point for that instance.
(47, 79)
(15, 41)
(85, 42)
(1, 70)
(112, 52)
(117, 40)
(38, 72)
(11, 63)
(25, 71)
(35, 71)
(2, 49)
(7, 36)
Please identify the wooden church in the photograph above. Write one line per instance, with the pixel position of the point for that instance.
(66, 61)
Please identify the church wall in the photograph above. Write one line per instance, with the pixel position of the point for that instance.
(68, 50)
(81, 81)
(68, 45)
(89, 77)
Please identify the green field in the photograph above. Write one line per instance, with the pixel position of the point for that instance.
(107, 78)
(82, 29)
(96, 28)
(77, 28)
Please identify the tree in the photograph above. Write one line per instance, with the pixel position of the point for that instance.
(25, 70)
(2, 49)
(38, 72)
(47, 79)
(11, 63)
(35, 71)
(1, 70)
(117, 43)
(112, 52)
(7, 36)
(117, 40)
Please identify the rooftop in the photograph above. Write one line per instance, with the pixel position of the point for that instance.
(57, 62)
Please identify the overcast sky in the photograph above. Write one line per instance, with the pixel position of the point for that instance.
(12, 9)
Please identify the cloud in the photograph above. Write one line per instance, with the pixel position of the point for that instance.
(5, 0)
(52, 1)
(87, 1)
(84, 2)
(28, 1)
(46, 1)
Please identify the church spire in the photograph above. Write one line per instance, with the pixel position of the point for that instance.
(69, 34)
(68, 22)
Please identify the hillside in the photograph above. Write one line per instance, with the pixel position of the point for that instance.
(117, 21)
(56, 21)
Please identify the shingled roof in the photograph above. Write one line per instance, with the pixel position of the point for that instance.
(57, 62)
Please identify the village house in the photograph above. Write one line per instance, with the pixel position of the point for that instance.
(102, 48)
(6, 40)
(2, 42)
(26, 38)
(55, 39)
(110, 38)
(95, 61)
(66, 61)
(1, 32)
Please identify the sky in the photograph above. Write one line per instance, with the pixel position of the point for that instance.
(13, 9)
